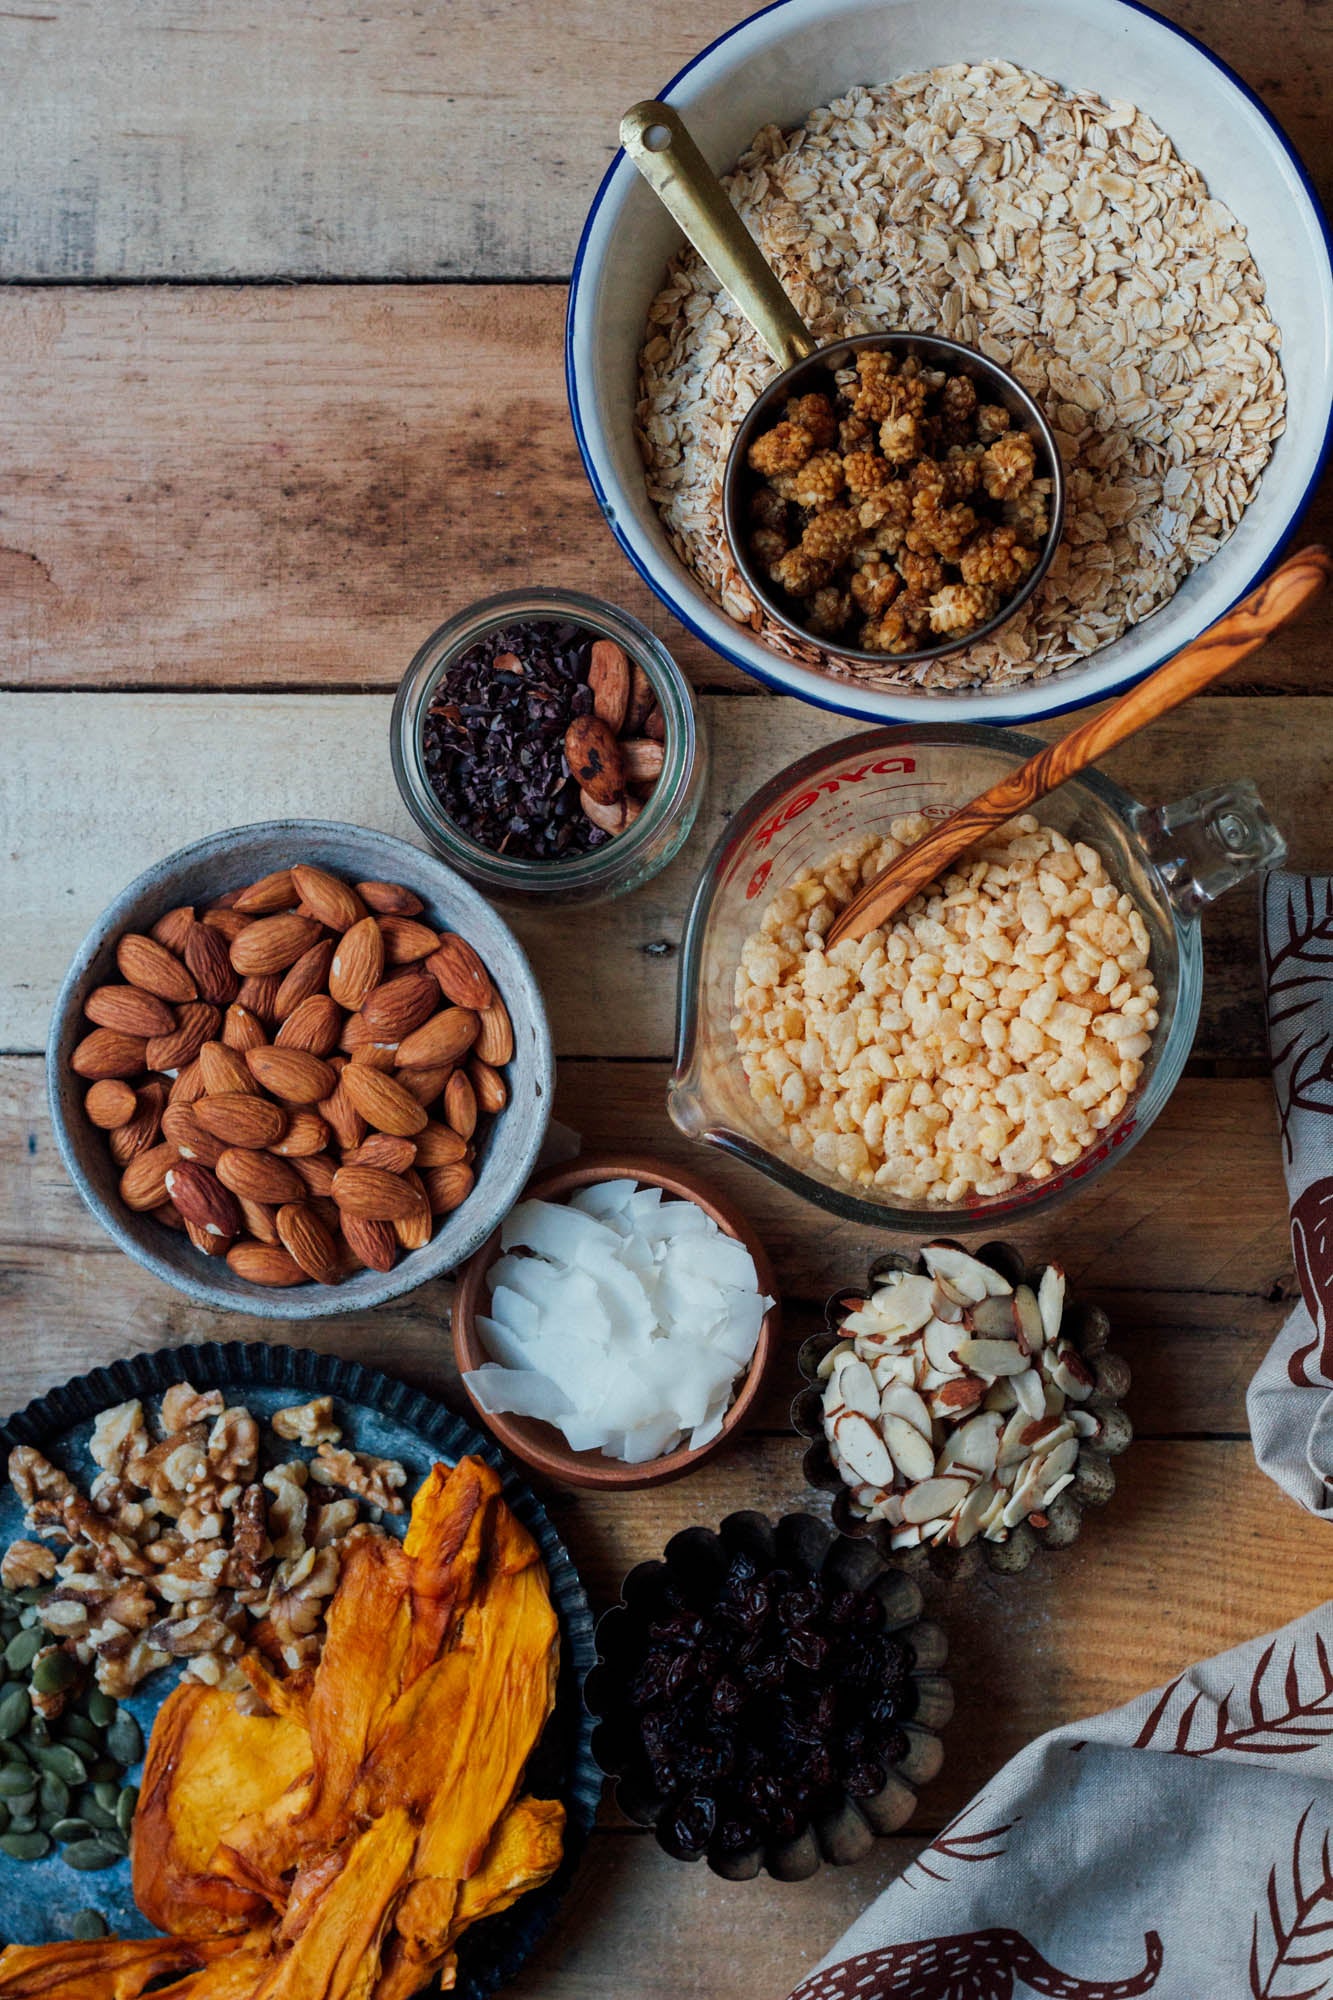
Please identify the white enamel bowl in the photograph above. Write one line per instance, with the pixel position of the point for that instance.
(796, 54)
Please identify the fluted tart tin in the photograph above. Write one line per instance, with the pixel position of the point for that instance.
(816, 1765)
(996, 1413)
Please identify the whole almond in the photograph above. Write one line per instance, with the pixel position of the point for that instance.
(172, 929)
(227, 924)
(460, 974)
(371, 1243)
(444, 1039)
(383, 1104)
(189, 1084)
(268, 895)
(241, 1029)
(260, 1219)
(145, 962)
(425, 1080)
(168, 1215)
(342, 1117)
(271, 944)
(108, 1053)
(225, 1071)
(447, 1188)
(304, 1237)
(110, 1104)
(414, 1231)
(316, 1171)
(405, 940)
(265, 1264)
(208, 960)
(292, 1074)
(378, 1196)
(143, 1185)
(196, 1023)
(202, 1199)
(384, 1150)
(439, 1146)
(609, 679)
(643, 760)
(212, 1242)
(460, 1104)
(495, 1041)
(358, 1043)
(306, 1133)
(227, 900)
(129, 1010)
(357, 965)
(240, 1118)
(143, 1131)
(310, 974)
(257, 1176)
(654, 724)
(491, 1089)
(314, 1025)
(394, 1009)
(259, 993)
(327, 898)
(389, 899)
(642, 701)
(181, 1128)
(594, 758)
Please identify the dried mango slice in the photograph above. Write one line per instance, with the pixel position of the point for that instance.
(103, 1969)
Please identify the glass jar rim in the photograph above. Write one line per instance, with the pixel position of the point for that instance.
(601, 865)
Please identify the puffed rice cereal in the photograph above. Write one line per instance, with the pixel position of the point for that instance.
(987, 1038)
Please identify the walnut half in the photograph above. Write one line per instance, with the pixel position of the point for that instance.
(307, 1423)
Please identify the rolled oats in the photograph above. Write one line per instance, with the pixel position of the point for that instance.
(1061, 236)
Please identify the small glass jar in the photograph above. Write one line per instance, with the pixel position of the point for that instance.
(626, 860)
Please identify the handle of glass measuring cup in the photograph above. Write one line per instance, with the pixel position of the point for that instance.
(1205, 844)
(656, 140)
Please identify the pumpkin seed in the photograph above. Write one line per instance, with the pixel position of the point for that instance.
(85, 1925)
(106, 1794)
(53, 1673)
(124, 1739)
(15, 1712)
(77, 1729)
(26, 1846)
(13, 1753)
(37, 1735)
(15, 1779)
(63, 1761)
(22, 1650)
(115, 1839)
(25, 1822)
(126, 1807)
(94, 1812)
(87, 1855)
(72, 1828)
(53, 1796)
(33, 1593)
(101, 1709)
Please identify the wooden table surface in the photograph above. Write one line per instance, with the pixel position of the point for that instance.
(280, 359)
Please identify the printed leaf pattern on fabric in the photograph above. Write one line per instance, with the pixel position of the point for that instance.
(1293, 1932)
(988, 1844)
(981, 1965)
(1276, 1716)
(1296, 968)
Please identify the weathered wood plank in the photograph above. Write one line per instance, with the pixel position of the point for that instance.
(639, 1926)
(1187, 1250)
(279, 488)
(94, 787)
(342, 141)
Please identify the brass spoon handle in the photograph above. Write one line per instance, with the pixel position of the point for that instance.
(1245, 627)
(657, 141)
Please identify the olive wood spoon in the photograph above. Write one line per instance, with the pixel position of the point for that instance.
(1246, 626)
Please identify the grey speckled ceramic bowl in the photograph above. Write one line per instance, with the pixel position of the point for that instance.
(205, 870)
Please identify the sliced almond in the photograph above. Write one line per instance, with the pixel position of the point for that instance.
(940, 1342)
(974, 1444)
(856, 1386)
(900, 1401)
(1054, 1491)
(1030, 1391)
(912, 1454)
(994, 1318)
(934, 1498)
(1051, 1300)
(862, 1449)
(991, 1358)
(1031, 1331)
(973, 1278)
(827, 1365)
(967, 1522)
(903, 1301)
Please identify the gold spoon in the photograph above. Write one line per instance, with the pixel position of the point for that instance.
(1243, 629)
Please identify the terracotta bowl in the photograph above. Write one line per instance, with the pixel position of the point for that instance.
(541, 1445)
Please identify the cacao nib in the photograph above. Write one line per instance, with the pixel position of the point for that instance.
(493, 741)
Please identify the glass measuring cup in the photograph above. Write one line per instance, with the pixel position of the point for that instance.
(1172, 859)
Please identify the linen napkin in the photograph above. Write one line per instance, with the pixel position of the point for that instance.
(1290, 1400)
(1181, 1846)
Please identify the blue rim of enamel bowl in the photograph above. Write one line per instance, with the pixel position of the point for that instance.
(1000, 716)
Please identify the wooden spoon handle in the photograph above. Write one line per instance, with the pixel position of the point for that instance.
(1245, 627)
